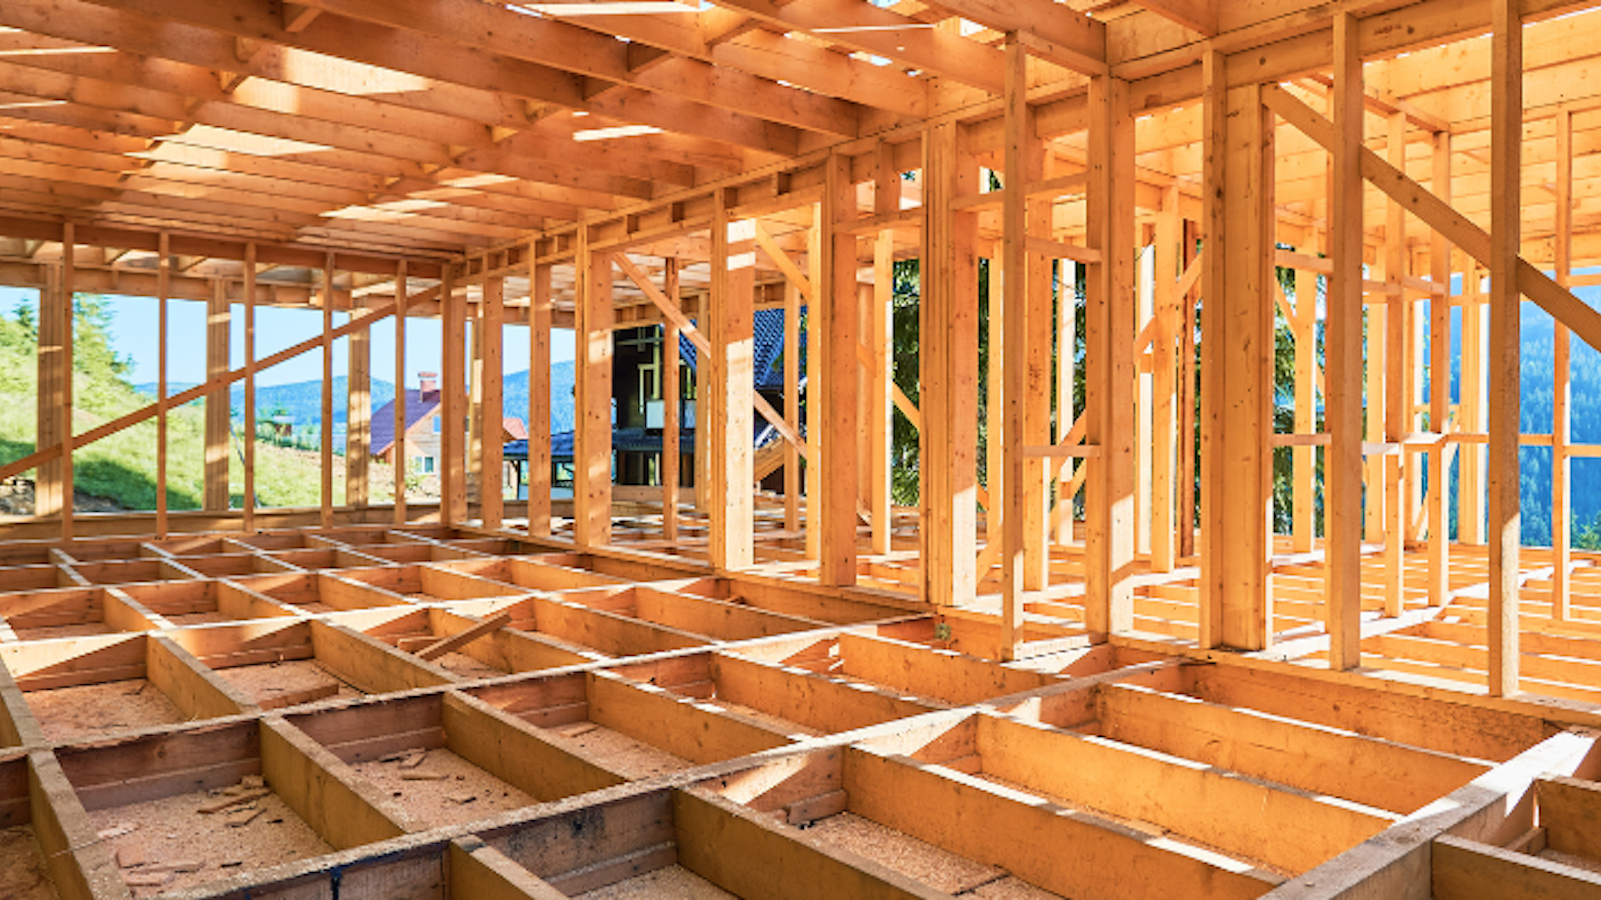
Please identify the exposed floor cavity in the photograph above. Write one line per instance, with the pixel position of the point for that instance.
(171, 834)
(443, 789)
(94, 709)
(667, 883)
(22, 870)
(619, 753)
(278, 683)
(916, 859)
(464, 666)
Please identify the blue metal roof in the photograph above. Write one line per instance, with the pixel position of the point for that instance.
(768, 330)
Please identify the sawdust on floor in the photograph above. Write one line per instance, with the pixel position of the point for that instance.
(462, 665)
(93, 709)
(916, 859)
(619, 753)
(265, 681)
(47, 632)
(170, 831)
(22, 870)
(443, 801)
(667, 883)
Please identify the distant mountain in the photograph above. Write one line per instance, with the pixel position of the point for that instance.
(302, 401)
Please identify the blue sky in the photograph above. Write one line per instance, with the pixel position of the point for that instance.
(135, 324)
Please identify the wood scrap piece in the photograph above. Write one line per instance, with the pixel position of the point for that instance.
(295, 698)
(424, 776)
(253, 781)
(239, 818)
(177, 865)
(463, 638)
(414, 760)
(464, 797)
(577, 730)
(146, 878)
(229, 802)
(131, 857)
(115, 831)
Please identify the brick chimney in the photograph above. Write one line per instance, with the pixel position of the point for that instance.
(429, 382)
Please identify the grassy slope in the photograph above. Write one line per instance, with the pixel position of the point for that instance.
(122, 466)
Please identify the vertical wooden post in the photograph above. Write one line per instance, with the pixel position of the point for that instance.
(358, 412)
(730, 330)
(51, 347)
(1039, 306)
(1066, 347)
(1440, 385)
(1186, 401)
(1562, 388)
(792, 456)
(948, 326)
(815, 386)
(1009, 498)
(1144, 422)
(1109, 361)
(1472, 413)
(592, 450)
(538, 397)
(880, 421)
(492, 477)
(1236, 398)
(835, 297)
(1214, 284)
(995, 405)
(327, 436)
(1304, 459)
(217, 425)
(163, 285)
(453, 334)
(67, 293)
(475, 398)
(1397, 397)
(249, 501)
(671, 393)
(1506, 218)
(400, 456)
(1342, 495)
(1163, 358)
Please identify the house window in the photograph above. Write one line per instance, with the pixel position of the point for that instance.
(428, 465)
(436, 428)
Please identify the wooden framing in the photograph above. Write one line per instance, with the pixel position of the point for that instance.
(1395, 685)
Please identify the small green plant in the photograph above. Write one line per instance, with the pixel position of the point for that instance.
(942, 631)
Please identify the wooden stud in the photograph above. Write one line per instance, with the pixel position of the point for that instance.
(672, 394)
(248, 502)
(732, 384)
(948, 313)
(163, 285)
(1473, 411)
(1561, 384)
(358, 414)
(1109, 362)
(1169, 230)
(836, 307)
(1398, 399)
(327, 438)
(1236, 397)
(1066, 350)
(592, 451)
(1439, 551)
(400, 453)
(1303, 518)
(815, 339)
(492, 480)
(52, 343)
(1342, 503)
(67, 301)
(476, 424)
(879, 419)
(1506, 134)
(452, 466)
(218, 434)
(539, 397)
(1009, 494)
(1186, 398)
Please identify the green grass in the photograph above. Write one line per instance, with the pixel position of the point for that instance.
(122, 467)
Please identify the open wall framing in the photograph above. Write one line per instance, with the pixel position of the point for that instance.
(1146, 200)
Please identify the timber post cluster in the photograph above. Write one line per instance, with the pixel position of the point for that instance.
(1203, 575)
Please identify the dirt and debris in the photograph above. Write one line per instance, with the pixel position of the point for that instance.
(674, 882)
(290, 682)
(22, 870)
(464, 666)
(619, 753)
(440, 788)
(187, 840)
(96, 709)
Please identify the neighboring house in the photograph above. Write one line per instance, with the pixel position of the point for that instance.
(637, 408)
(421, 440)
